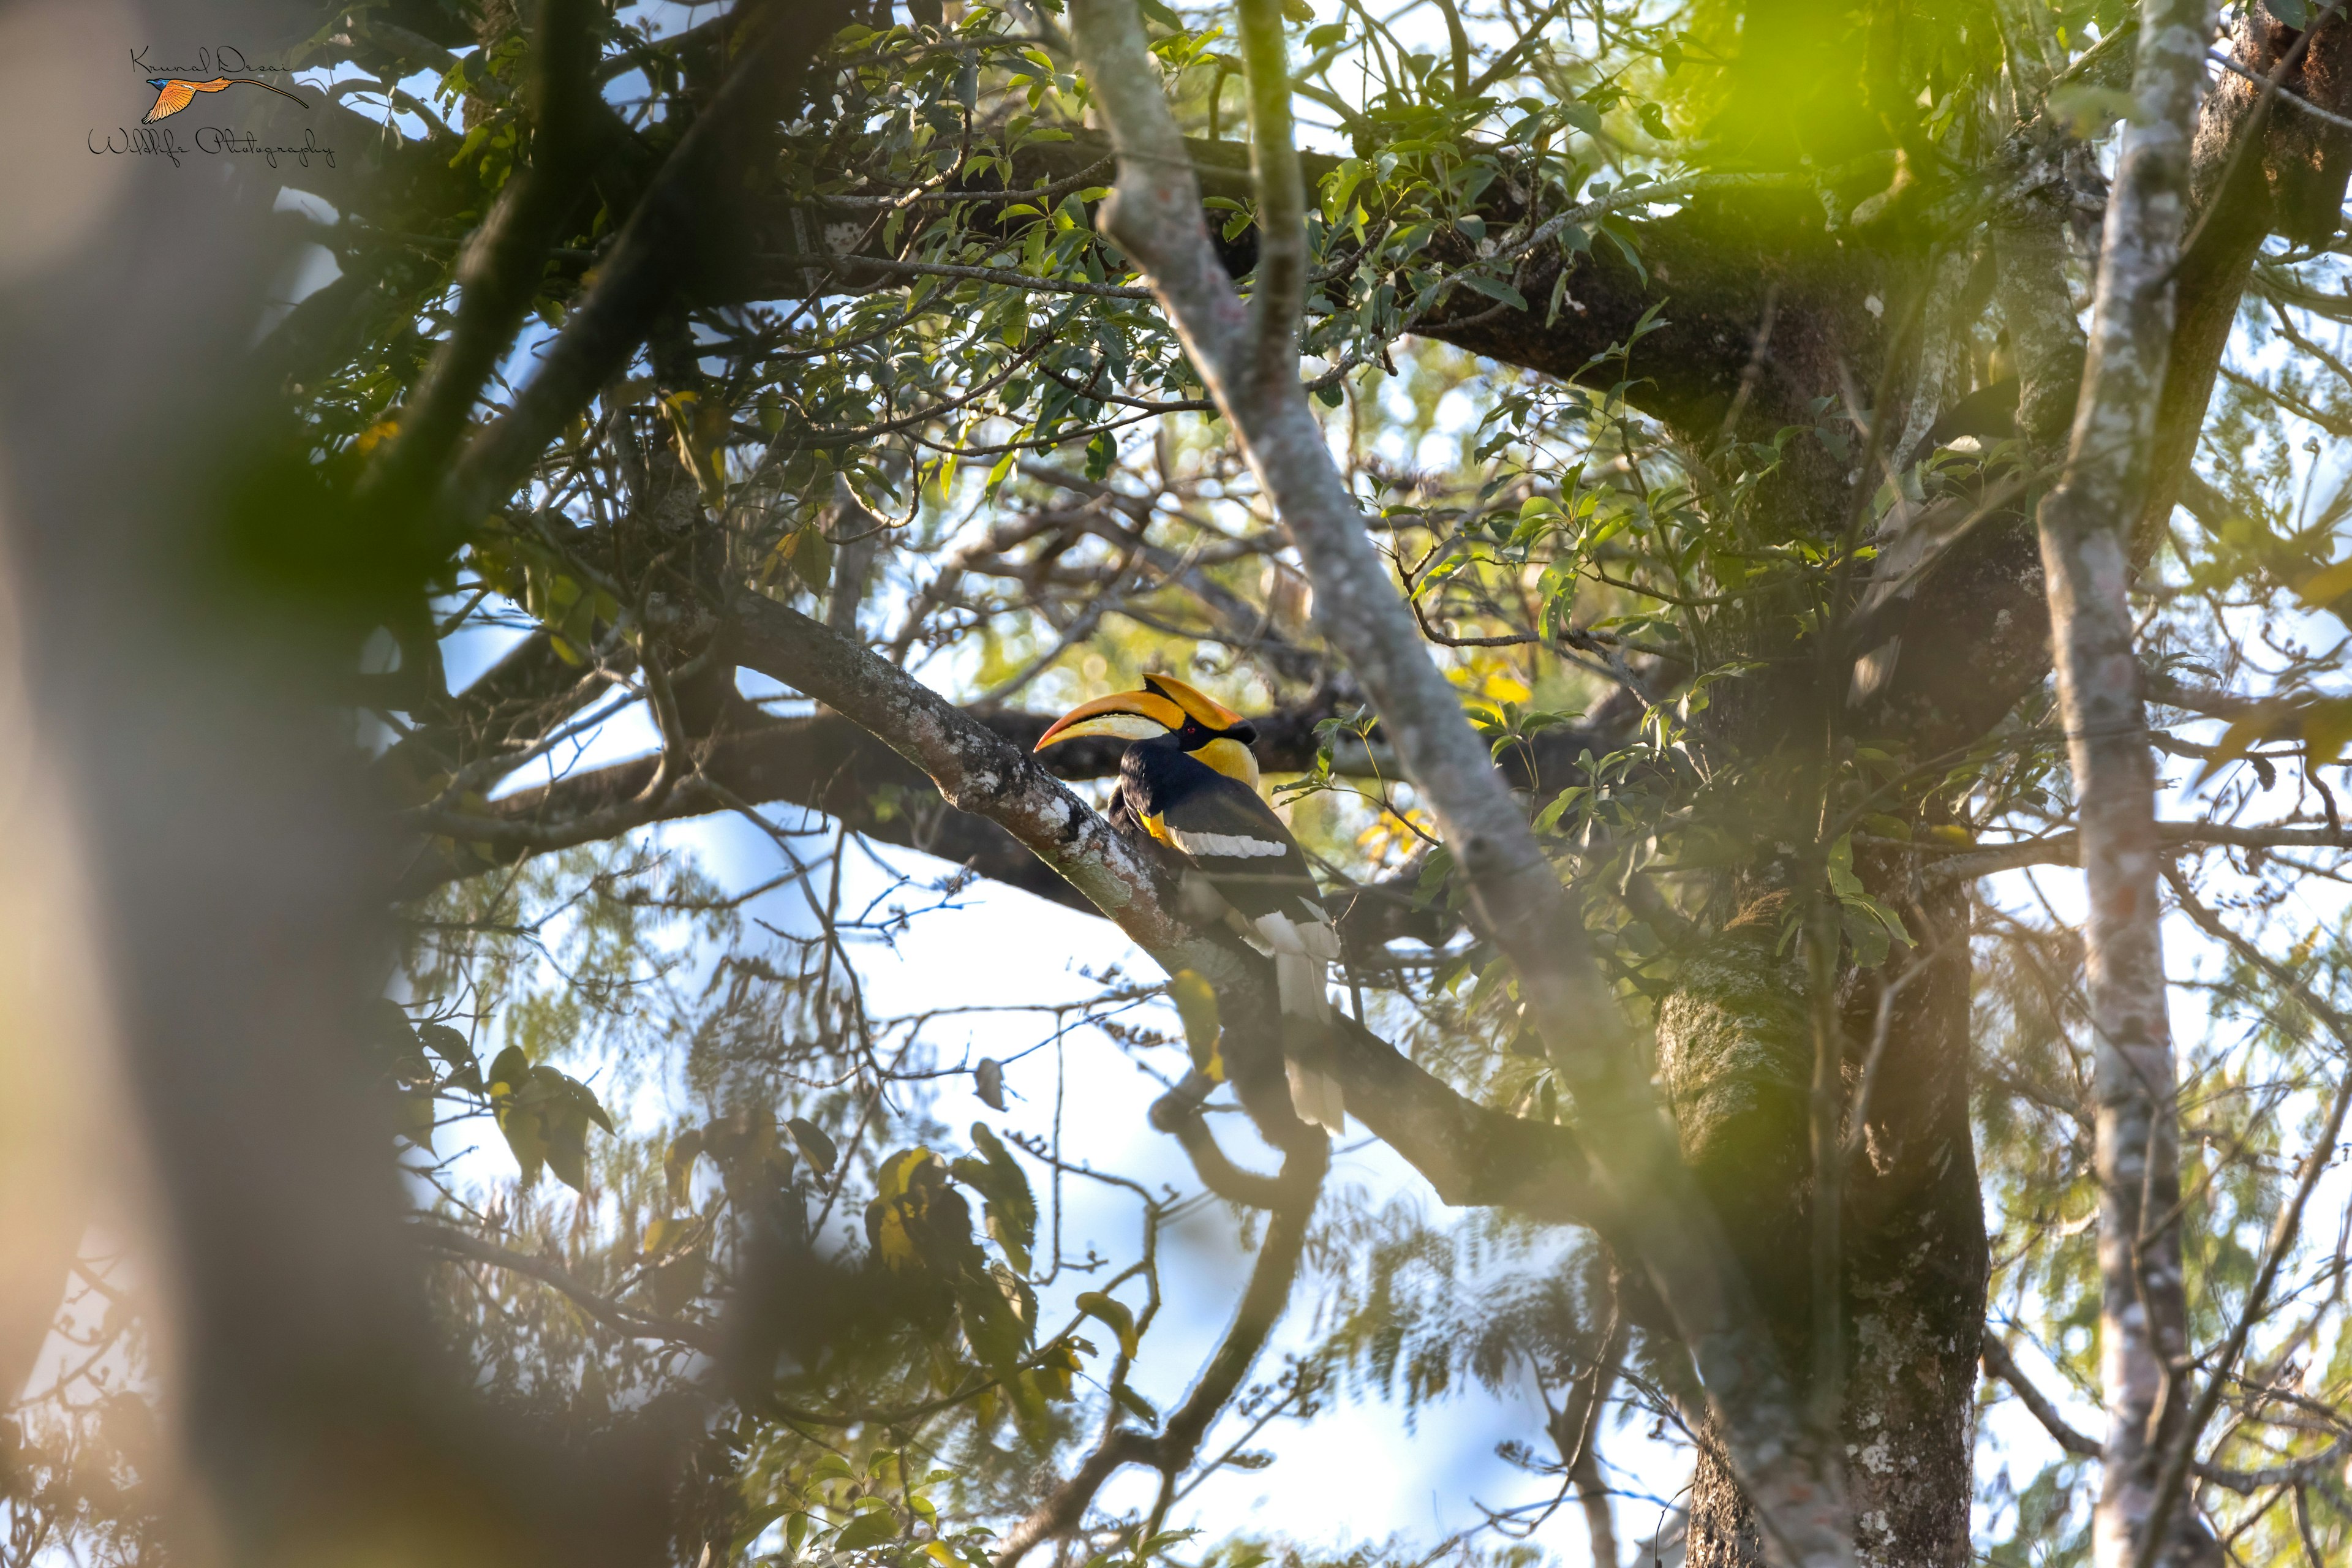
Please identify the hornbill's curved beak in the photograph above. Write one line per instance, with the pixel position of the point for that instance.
(1163, 705)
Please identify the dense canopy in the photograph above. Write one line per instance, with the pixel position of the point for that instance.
(1714, 511)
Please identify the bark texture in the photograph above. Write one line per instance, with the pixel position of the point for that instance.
(1735, 1052)
(2087, 550)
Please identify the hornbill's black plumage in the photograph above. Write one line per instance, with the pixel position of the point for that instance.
(1190, 781)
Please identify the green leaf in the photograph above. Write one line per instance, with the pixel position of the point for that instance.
(1158, 12)
(677, 1163)
(756, 1520)
(815, 1146)
(412, 1117)
(867, 1530)
(526, 1140)
(2329, 585)
(987, 1082)
(1000, 1316)
(673, 1247)
(448, 1045)
(1842, 881)
(1867, 935)
(1011, 1207)
(1114, 1314)
(454, 1048)
(1496, 288)
(564, 1125)
(1003, 469)
(811, 554)
(2086, 110)
(1633, 259)
(1343, 181)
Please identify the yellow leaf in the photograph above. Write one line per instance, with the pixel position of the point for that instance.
(1196, 1004)
(2329, 585)
(2327, 725)
(2257, 725)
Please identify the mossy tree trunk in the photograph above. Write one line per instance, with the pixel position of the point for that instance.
(1736, 1049)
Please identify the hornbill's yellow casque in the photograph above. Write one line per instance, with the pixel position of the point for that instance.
(1190, 781)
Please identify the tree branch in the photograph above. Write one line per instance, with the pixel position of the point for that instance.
(823, 761)
(621, 1319)
(1791, 1472)
(2066, 848)
(1219, 1173)
(2086, 525)
(1999, 1363)
(2002, 1365)
(1470, 1153)
(499, 270)
(2182, 1453)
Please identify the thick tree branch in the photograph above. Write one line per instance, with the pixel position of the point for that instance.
(1987, 595)
(1218, 1172)
(1470, 1153)
(823, 761)
(499, 270)
(2256, 172)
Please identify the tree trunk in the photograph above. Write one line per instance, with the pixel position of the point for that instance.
(1734, 1052)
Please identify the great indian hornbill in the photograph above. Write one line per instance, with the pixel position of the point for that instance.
(1191, 783)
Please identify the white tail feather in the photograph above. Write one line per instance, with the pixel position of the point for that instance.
(1315, 1096)
(1298, 981)
(1300, 954)
(1320, 939)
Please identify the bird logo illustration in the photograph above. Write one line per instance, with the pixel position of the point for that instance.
(174, 93)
